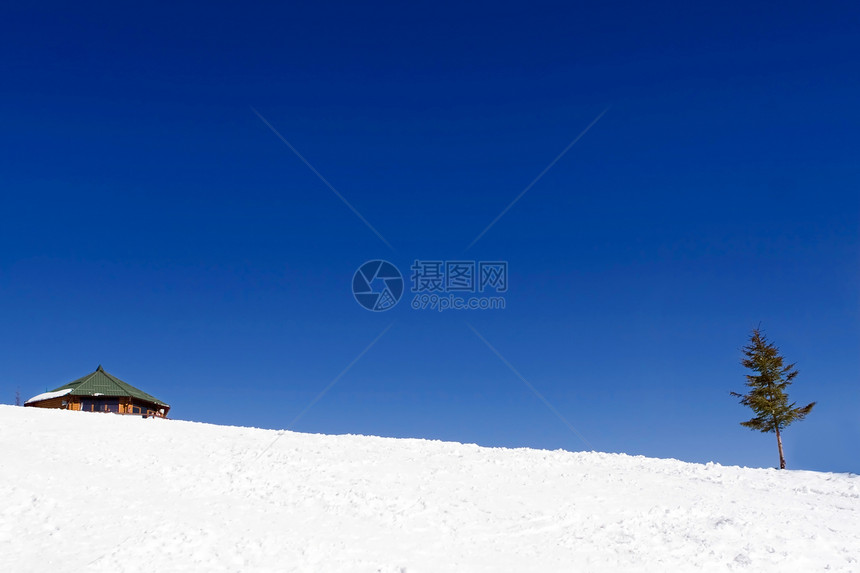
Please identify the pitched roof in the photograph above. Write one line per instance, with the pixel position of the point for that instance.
(100, 383)
(48, 395)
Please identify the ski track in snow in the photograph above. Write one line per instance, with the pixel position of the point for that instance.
(101, 492)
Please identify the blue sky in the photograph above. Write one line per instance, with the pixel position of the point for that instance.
(152, 223)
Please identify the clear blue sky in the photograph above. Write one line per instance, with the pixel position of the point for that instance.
(152, 223)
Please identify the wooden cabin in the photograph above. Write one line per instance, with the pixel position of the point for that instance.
(101, 392)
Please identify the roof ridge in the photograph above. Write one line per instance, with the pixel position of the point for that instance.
(116, 381)
(126, 387)
(82, 380)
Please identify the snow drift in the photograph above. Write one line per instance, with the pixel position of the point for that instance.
(101, 492)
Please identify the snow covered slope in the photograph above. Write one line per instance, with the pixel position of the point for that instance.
(100, 492)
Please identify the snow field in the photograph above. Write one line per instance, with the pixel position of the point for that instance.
(102, 492)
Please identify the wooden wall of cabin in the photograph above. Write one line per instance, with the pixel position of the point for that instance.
(126, 406)
(49, 403)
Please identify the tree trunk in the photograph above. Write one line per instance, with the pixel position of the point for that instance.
(779, 443)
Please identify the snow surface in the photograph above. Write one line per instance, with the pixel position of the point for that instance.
(101, 492)
(49, 395)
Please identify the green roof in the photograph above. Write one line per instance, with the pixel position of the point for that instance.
(104, 384)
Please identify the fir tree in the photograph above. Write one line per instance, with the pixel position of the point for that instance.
(766, 396)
